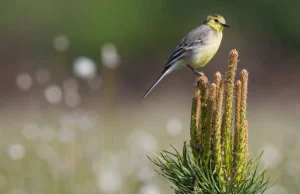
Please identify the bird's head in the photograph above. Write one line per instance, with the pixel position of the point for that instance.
(216, 21)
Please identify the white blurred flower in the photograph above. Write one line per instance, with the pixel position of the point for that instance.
(174, 127)
(109, 180)
(84, 68)
(149, 189)
(72, 98)
(47, 133)
(61, 43)
(53, 94)
(66, 135)
(16, 151)
(95, 83)
(24, 81)
(271, 156)
(43, 76)
(31, 131)
(110, 56)
(142, 142)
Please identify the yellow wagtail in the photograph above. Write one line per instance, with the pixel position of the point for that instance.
(197, 48)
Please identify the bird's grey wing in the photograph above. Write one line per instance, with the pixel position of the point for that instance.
(192, 40)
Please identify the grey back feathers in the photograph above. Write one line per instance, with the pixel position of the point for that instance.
(200, 32)
(194, 39)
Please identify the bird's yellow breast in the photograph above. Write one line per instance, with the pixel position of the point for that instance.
(205, 53)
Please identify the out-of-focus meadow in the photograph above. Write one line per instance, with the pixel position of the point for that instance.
(73, 74)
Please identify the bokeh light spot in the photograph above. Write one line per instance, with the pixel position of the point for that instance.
(109, 180)
(110, 56)
(31, 131)
(24, 81)
(149, 189)
(16, 151)
(272, 156)
(61, 43)
(84, 68)
(53, 94)
(43, 76)
(174, 126)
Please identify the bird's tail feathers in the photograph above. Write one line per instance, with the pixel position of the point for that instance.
(164, 73)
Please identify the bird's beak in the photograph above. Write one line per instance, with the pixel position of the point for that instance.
(225, 25)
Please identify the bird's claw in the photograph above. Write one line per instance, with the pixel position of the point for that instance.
(198, 73)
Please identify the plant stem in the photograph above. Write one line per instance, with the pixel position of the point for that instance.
(236, 158)
(195, 113)
(216, 139)
(227, 131)
(207, 132)
(243, 133)
(204, 111)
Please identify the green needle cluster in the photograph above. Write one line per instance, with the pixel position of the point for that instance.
(217, 161)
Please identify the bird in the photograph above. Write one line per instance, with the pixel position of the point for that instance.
(196, 48)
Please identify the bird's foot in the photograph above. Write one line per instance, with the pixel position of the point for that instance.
(198, 73)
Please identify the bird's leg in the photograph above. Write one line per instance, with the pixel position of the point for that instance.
(195, 71)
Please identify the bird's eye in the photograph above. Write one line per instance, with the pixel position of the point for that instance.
(216, 20)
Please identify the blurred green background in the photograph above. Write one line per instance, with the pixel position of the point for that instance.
(73, 74)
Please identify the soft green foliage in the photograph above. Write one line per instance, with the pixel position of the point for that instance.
(182, 171)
